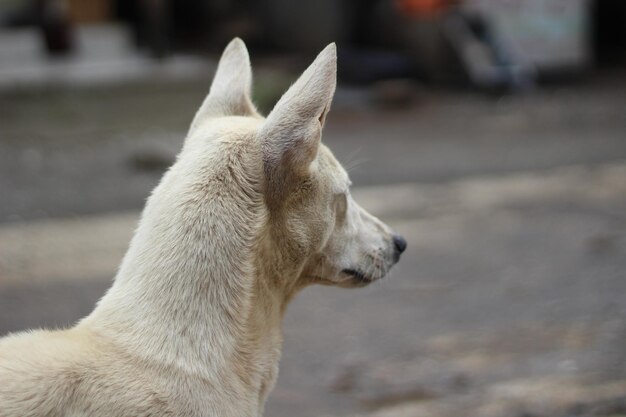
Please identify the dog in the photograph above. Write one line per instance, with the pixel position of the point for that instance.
(253, 210)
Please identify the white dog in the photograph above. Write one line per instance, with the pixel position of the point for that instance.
(252, 211)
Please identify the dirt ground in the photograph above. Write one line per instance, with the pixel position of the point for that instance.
(510, 300)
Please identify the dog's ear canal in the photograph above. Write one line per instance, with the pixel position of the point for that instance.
(230, 93)
(291, 134)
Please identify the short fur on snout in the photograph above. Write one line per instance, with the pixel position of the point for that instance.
(252, 211)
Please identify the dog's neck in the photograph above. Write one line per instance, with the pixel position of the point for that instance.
(194, 303)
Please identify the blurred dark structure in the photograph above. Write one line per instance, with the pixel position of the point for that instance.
(609, 32)
(486, 43)
(53, 20)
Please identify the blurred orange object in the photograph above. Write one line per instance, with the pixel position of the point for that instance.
(423, 8)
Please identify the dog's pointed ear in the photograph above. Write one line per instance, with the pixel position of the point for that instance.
(291, 134)
(230, 91)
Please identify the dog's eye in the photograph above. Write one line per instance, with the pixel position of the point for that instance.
(341, 204)
(305, 186)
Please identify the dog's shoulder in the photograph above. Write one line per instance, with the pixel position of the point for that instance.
(37, 371)
(50, 373)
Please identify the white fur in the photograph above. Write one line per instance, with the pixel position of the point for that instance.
(252, 211)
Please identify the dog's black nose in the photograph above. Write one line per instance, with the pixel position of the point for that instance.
(400, 243)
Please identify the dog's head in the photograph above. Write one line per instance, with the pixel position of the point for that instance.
(314, 229)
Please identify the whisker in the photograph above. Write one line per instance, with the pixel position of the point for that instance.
(350, 167)
(352, 162)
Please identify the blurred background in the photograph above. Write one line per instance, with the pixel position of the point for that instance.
(491, 133)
